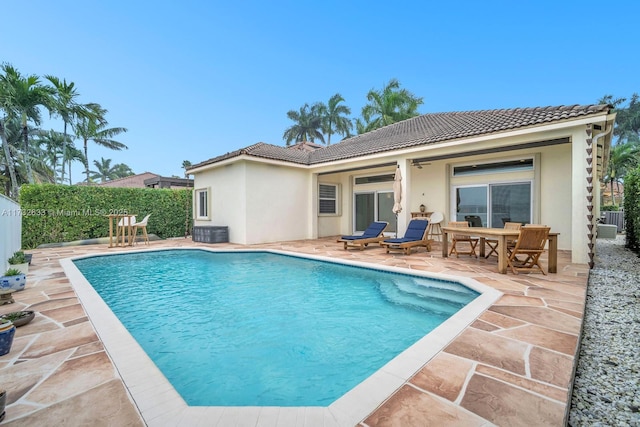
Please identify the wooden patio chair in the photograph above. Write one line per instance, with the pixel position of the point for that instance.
(463, 238)
(493, 243)
(530, 244)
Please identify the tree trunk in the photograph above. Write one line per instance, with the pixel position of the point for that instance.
(86, 160)
(27, 157)
(7, 155)
(64, 153)
(613, 198)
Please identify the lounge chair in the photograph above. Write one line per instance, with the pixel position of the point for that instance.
(373, 234)
(415, 236)
(530, 244)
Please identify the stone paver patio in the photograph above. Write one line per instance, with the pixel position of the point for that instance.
(512, 366)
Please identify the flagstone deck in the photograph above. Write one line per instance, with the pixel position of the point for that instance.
(512, 366)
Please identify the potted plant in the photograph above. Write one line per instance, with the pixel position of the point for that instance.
(19, 318)
(13, 279)
(7, 331)
(19, 260)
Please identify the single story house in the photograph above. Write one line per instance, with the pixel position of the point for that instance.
(532, 165)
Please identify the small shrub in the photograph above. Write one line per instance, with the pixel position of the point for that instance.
(13, 272)
(18, 258)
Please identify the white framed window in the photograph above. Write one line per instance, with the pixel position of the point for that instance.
(328, 199)
(202, 202)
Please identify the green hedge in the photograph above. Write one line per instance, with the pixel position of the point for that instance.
(632, 209)
(60, 213)
(613, 208)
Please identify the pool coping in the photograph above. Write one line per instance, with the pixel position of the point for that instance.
(160, 404)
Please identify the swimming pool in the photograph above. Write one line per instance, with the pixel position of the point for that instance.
(264, 329)
(159, 402)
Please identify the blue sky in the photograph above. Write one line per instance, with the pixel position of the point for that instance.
(195, 79)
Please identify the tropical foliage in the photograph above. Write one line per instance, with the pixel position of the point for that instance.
(632, 209)
(33, 155)
(308, 124)
(320, 121)
(387, 106)
(105, 172)
(624, 155)
(94, 128)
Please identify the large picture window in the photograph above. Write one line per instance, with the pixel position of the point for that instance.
(202, 203)
(491, 205)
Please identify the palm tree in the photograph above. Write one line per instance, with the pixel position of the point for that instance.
(623, 157)
(186, 165)
(54, 144)
(333, 117)
(67, 108)
(73, 154)
(9, 160)
(11, 133)
(25, 96)
(94, 128)
(389, 105)
(308, 124)
(106, 172)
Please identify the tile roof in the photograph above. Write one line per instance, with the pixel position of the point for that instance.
(132, 181)
(421, 130)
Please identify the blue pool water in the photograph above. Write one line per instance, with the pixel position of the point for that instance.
(264, 329)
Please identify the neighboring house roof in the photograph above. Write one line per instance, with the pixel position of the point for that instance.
(168, 182)
(421, 130)
(133, 181)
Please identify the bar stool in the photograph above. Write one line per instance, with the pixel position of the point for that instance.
(435, 230)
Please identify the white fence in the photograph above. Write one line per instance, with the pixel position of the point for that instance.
(10, 230)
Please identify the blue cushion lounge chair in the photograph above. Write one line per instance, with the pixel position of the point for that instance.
(373, 234)
(415, 236)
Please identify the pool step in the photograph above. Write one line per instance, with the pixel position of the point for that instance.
(442, 297)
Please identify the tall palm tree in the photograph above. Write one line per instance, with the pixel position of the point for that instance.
(94, 128)
(25, 97)
(308, 124)
(65, 106)
(334, 118)
(389, 105)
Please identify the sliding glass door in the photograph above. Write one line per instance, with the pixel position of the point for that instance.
(491, 205)
(510, 203)
(373, 206)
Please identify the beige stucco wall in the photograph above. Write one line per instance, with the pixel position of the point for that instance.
(259, 203)
(278, 203)
(227, 201)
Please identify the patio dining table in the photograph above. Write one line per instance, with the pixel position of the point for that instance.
(123, 235)
(501, 235)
